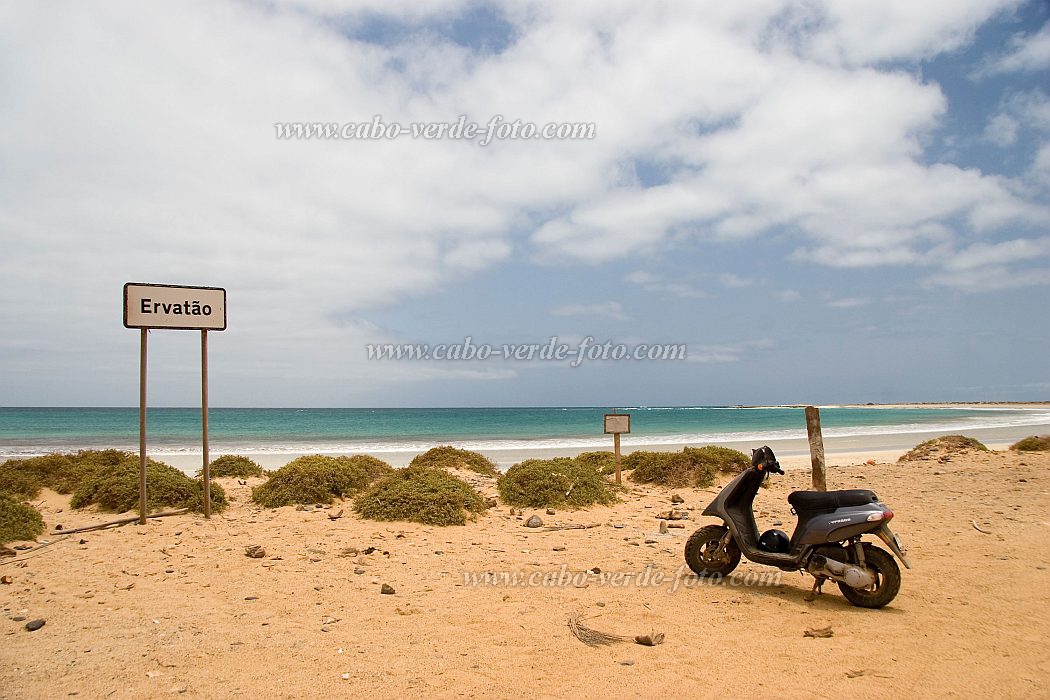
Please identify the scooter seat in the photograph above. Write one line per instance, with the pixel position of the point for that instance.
(830, 500)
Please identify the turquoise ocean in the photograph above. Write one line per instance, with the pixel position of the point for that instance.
(173, 431)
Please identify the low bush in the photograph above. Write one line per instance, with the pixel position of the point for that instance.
(693, 466)
(550, 483)
(116, 488)
(60, 472)
(237, 466)
(420, 494)
(1033, 443)
(674, 469)
(448, 457)
(604, 462)
(724, 459)
(18, 521)
(319, 479)
(943, 446)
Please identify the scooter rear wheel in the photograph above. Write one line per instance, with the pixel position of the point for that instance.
(887, 580)
(705, 555)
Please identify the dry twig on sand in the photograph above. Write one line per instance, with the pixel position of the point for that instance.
(594, 638)
(978, 527)
(552, 528)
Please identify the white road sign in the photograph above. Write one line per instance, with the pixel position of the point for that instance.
(173, 306)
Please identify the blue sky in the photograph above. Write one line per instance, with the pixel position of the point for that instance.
(825, 201)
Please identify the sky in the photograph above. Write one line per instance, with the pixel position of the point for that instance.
(825, 202)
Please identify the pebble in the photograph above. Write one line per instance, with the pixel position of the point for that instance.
(777, 523)
(550, 511)
(251, 597)
(386, 589)
(663, 527)
(359, 571)
(534, 521)
(34, 625)
(560, 549)
(627, 662)
(675, 498)
(254, 551)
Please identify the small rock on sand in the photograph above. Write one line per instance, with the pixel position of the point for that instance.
(34, 625)
(386, 589)
(534, 521)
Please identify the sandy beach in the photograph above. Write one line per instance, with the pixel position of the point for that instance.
(176, 608)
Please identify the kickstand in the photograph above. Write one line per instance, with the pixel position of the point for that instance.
(815, 591)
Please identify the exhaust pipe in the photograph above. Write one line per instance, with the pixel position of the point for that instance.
(852, 576)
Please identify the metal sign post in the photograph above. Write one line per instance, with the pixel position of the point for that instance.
(142, 426)
(148, 306)
(617, 423)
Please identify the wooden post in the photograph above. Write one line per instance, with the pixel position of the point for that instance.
(816, 448)
(204, 422)
(616, 450)
(142, 427)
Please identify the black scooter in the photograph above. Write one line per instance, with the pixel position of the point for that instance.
(826, 542)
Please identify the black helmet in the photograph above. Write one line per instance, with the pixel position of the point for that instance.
(774, 541)
(763, 458)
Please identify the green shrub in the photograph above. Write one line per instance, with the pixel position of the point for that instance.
(946, 445)
(724, 459)
(420, 494)
(693, 466)
(1034, 443)
(603, 462)
(237, 466)
(57, 471)
(549, 483)
(116, 488)
(318, 478)
(19, 481)
(18, 521)
(447, 457)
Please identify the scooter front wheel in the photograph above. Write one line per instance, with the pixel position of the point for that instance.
(705, 554)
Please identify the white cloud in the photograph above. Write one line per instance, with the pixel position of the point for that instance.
(1024, 110)
(856, 32)
(1026, 53)
(788, 295)
(651, 283)
(991, 278)
(849, 303)
(612, 310)
(1002, 129)
(734, 281)
(726, 352)
(997, 254)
